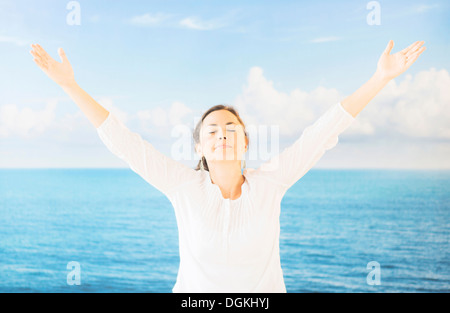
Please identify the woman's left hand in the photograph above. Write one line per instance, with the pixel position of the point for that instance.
(392, 65)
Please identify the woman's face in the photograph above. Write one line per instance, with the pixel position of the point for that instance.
(222, 137)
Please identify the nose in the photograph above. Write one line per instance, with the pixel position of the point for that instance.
(221, 134)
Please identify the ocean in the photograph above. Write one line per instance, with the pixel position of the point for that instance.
(107, 230)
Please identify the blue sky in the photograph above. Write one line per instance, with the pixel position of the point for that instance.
(158, 64)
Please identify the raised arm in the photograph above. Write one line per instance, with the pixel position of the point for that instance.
(157, 169)
(389, 66)
(62, 74)
(297, 159)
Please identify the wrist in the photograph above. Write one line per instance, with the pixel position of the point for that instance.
(378, 76)
(69, 85)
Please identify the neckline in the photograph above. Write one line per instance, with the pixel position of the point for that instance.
(244, 187)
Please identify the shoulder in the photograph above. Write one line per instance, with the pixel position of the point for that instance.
(262, 175)
(189, 180)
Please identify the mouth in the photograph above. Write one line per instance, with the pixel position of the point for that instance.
(223, 147)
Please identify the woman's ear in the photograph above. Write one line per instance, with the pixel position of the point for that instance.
(198, 150)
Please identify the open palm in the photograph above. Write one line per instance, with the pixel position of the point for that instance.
(60, 72)
(392, 65)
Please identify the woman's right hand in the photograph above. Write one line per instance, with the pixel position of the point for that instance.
(60, 73)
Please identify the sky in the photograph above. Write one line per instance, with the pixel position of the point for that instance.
(158, 65)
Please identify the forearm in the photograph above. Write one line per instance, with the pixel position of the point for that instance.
(357, 101)
(94, 111)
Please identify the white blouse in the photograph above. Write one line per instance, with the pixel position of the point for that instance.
(227, 245)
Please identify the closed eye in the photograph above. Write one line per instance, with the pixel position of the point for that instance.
(230, 130)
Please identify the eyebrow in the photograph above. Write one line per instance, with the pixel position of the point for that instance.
(225, 124)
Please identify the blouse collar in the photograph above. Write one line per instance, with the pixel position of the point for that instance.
(244, 188)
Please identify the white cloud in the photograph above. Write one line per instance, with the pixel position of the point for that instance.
(107, 103)
(422, 8)
(159, 121)
(190, 22)
(387, 153)
(94, 18)
(156, 116)
(261, 104)
(25, 122)
(416, 107)
(177, 112)
(409, 106)
(149, 19)
(404, 126)
(198, 24)
(14, 40)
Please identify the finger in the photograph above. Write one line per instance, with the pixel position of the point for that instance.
(35, 49)
(38, 51)
(62, 55)
(33, 53)
(414, 49)
(42, 52)
(40, 64)
(389, 47)
(414, 57)
(37, 56)
(42, 61)
(411, 47)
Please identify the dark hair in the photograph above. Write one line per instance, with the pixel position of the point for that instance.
(196, 133)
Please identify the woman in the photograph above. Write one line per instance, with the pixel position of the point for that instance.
(228, 221)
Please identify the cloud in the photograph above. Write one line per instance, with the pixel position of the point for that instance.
(159, 121)
(190, 22)
(94, 18)
(414, 107)
(107, 103)
(29, 123)
(149, 19)
(408, 11)
(156, 116)
(26, 122)
(260, 103)
(422, 8)
(14, 40)
(404, 126)
(197, 24)
(177, 113)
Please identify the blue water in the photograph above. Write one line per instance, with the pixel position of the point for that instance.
(123, 233)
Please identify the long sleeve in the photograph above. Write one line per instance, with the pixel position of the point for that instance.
(296, 160)
(157, 169)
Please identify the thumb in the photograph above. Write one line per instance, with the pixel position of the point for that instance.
(389, 47)
(62, 55)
